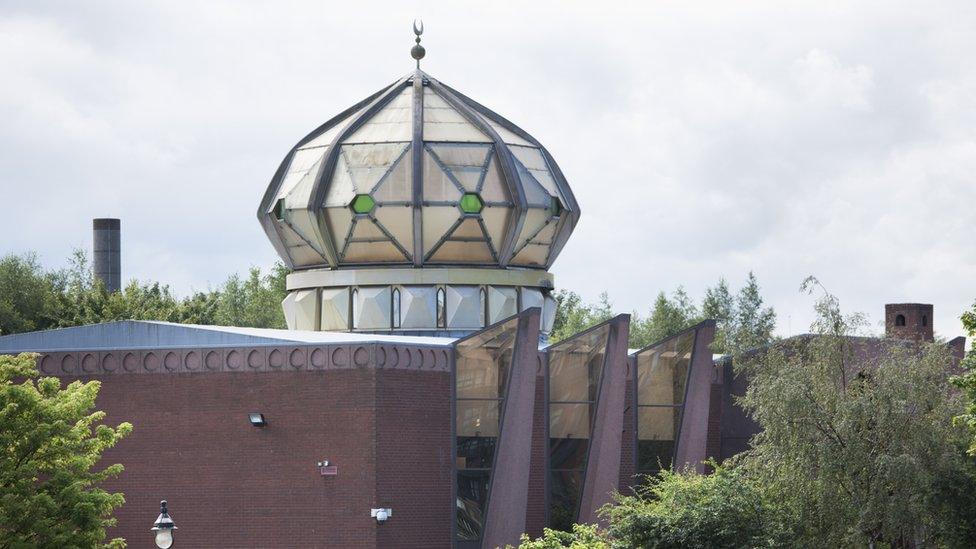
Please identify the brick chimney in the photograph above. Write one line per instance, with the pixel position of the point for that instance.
(911, 321)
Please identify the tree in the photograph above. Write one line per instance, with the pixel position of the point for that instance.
(669, 315)
(726, 509)
(751, 324)
(51, 441)
(967, 381)
(26, 298)
(854, 440)
(719, 305)
(254, 301)
(583, 536)
(572, 316)
(32, 299)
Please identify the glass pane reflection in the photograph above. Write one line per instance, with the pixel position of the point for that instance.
(662, 378)
(662, 371)
(575, 368)
(482, 365)
(472, 495)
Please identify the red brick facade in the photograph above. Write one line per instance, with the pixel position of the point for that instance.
(387, 431)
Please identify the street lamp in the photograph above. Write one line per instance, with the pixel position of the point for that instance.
(163, 527)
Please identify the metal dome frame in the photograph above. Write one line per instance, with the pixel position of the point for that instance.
(475, 113)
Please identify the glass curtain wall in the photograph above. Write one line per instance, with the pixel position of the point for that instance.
(662, 376)
(574, 372)
(482, 365)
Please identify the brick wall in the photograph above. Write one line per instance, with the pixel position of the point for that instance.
(627, 450)
(414, 458)
(535, 515)
(233, 485)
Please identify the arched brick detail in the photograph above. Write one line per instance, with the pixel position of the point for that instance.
(150, 362)
(171, 361)
(213, 360)
(68, 363)
(297, 358)
(318, 358)
(276, 358)
(360, 357)
(46, 364)
(255, 359)
(234, 359)
(340, 357)
(192, 361)
(110, 362)
(131, 361)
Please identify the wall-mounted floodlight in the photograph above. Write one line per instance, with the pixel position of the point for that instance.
(381, 515)
(257, 419)
(163, 527)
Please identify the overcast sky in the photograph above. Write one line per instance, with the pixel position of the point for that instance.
(701, 140)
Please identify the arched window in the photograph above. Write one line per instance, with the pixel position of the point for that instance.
(900, 320)
(925, 320)
(355, 308)
(396, 307)
(484, 308)
(441, 309)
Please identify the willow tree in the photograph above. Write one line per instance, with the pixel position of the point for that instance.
(856, 433)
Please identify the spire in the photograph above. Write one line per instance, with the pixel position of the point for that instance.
(417, 51)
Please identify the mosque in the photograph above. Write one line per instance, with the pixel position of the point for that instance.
(413, 400)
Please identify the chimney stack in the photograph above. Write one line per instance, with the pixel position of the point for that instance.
(912, 321)
(107, 259)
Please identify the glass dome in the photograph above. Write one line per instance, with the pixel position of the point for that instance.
(418, 175)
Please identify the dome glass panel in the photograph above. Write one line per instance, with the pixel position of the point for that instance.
(471, 203)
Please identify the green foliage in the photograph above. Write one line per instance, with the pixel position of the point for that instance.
(743, 320)
(718, 304)
(32, 299)
(52, 439)
(750, 324)
(26, 296)
(583, 536)
(254, 301)
(967, 381)
(854, 443)
(669, 315)
(573, 316)
(727, 509)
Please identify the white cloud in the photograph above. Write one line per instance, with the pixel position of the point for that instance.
(703, 140)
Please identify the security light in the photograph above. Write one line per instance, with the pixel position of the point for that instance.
(381, 515)
(257, 419)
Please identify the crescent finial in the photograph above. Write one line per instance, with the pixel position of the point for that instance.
(418, 52)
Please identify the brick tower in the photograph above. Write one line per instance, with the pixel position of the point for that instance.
(912, 321)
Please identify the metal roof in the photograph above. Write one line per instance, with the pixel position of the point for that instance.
(136, 334)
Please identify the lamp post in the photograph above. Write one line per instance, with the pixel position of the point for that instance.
(163, 527)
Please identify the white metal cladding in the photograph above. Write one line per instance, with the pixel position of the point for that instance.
(531, 298)
(411, 307)
(445, 181)
(502, 303)
(288, 305)
(372, 308)
(306, 310)
(548, 319)
(418, 307)
(335, 309)
(464, 308)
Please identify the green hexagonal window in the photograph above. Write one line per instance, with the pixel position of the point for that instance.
(555, 207)
(471, 203)
(279, 209)
(362, 204)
